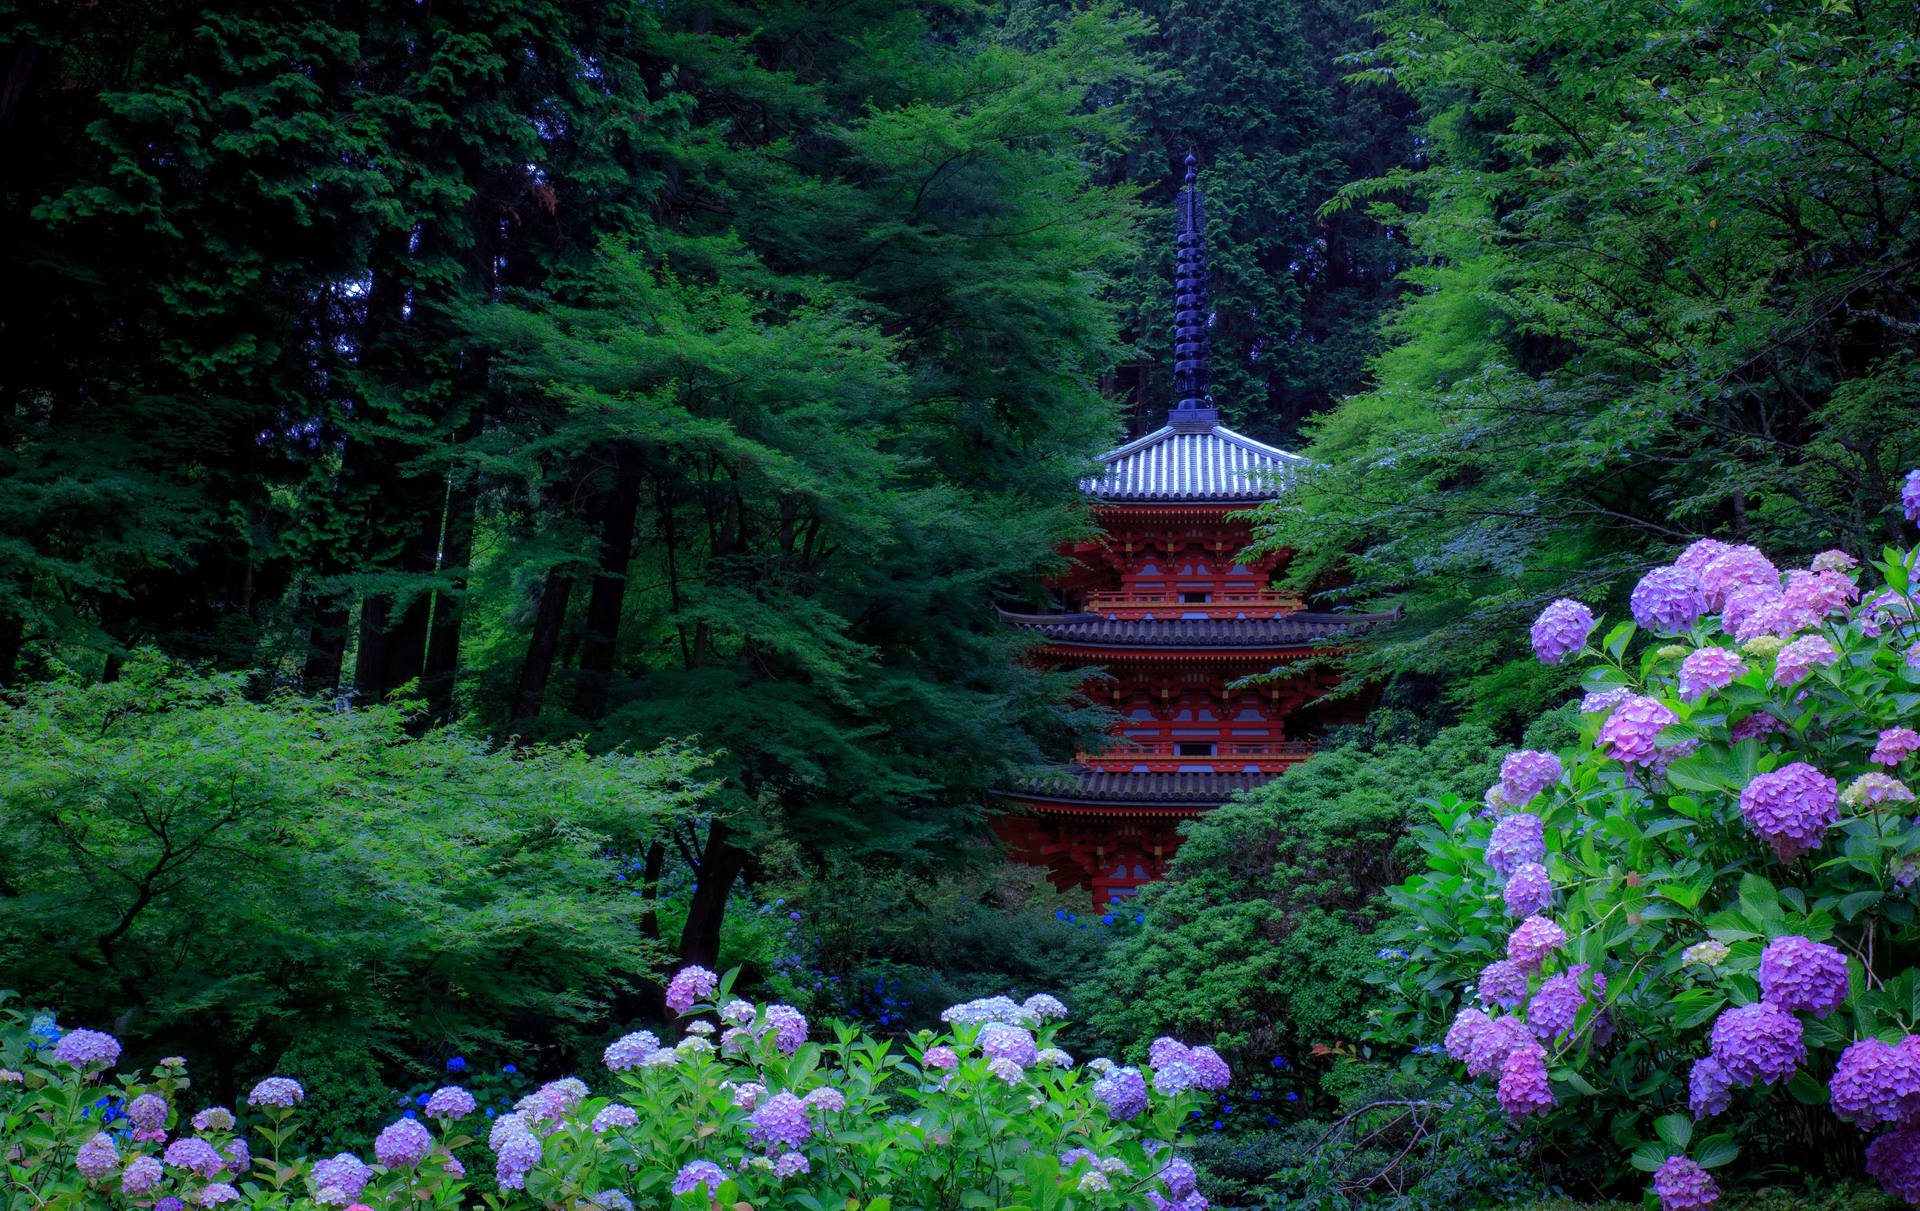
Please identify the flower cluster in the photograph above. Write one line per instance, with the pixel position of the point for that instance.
(1791, 808)
(690, 985)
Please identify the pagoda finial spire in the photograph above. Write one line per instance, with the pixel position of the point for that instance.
(1192, 309)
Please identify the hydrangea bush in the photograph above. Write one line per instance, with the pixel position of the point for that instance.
(1703, 911)
(745, 1109)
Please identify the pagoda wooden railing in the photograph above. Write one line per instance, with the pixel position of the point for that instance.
(1262, 756)
(1168, 605)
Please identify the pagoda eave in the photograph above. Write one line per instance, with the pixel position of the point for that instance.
(1137, 655)
(1186, 810)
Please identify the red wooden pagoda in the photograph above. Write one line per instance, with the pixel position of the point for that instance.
(1166, 606)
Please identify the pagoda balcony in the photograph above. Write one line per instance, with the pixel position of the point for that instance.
(1265, 757)
(1169, 605)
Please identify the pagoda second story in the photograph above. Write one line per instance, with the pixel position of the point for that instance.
(1192, 639)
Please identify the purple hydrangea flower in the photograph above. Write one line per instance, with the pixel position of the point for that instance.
(148, 1112)
(1877, 1082)
(611, 1116)
(1754, 726)
(1894, 746)
(1123, 1092)
(1667, 601)
(939, 1057)
(277, 1091)
(1504, 983)
(1758, 1042)
(215, 1193)
(1008, 1042)
(790, 1164)
(169, 1203)
(1707, 670)
(632, 1050)
(1488, 1049)
(1529, 892)
(1819, 592)
(826, 1098)
(987, 1009)
(737, 1011)
(1532, 941)
(142, 1177)
(612, 1200)
(695, 1174)
(402, 1144)
(1801, 657)
(340, 1179)
(1524, 774)
(515, 1152)
(789, 1027)
(1684, 1186)
(1178, 1176)
(1211, 1071)
(1803, 976)
(97, 1158)
(87, 1049)
(1043, 1007)
(1553, 1009)
(1629, 732)
(689, 985)
(1604, 700)
(450, 1102)
(1701, 552)
(1734, 567)
(1561, 630)
(1004, 1068)
(195, 1155)
(238, 1157)
(1524, 1087)
(213, 1118)
(1514, 842)
(1910, 505)
(1893, 1160)
(1744, 603)
(1468, 1025)
(1791, 808)
(781, 1119)
(1709, 1088)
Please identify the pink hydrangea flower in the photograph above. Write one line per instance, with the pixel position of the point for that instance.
(1524, 1088)
(1834, 560)
(1525, 773)
(1532, 941)
(1895, 745)
(1701, 552)
(1758, 1042)
(1707, 670)
(1803, 976)
(1743, 602)
(1487, 1050)
(1734, 567)
(1529, 892)
(1629, 732)
(1791, 808)
(690, 984)
(1561, 630)
(1467, 1026)
(1667, 601)
(1515, 841)
(1684, 1186)
(1801, 657)
(1502, 983)
(1820, 592)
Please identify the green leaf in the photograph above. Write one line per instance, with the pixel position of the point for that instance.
(1675, 1129)
(1650, 1155)
(1853, 905)
(1715, 1151)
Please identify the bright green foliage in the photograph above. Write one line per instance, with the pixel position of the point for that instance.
(1659, 253)
(227, 879)
(1264, 934)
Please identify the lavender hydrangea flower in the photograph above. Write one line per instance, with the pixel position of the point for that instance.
(789, 1027)
(1747, 602)
(1554, 1008)
(1178, 1177)
(1043, 1007)
(690, 984)
(1515, 841)
(1801, 657)
(213, 1118)
(1803, 976)
(939, 1057)
(781, 1119)
(277, 1091)
(611, 1116)
(1870, 790)
(1910, 499)
(1532, 941)
(1524, 1088)
(1210, 1071)
(1123, 1092)
(1708, 670)
(826, 1098)
(695, 1174)
(1758, 1042)
(148, 1114)
(402, 1144)
(1529, 892)
(632, 1050)
(215, 1193)
(1734, 567)
(1504, 983)
(1604, 700)
(87, 1049)
(141, 1177)
(1754, 726)
(1527, 772)
(1008, 1042)
(987, 1009)
(1791, 808)
(1629, 732)
(1667, 601)
(97, 1158)
(1684, 1186)
(195, 1155)
(1893, 1160)
(1700, 553)
(450, 1102)
(339, 1179)
(1820, 592)
(1467, 1026)
(515, 1152)
(1488, 1049)
(612, 1200)
(238, 1157)
(1005, 1069)
(1894, 746)
(1054, 1057)
(1876, 1083)
(791, 1164)
(1709, 1088)
(737, 1011)
(1561, 630)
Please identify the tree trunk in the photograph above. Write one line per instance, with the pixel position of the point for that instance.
(449, 602)
(609, 593)
(542, 646)
(720, 866)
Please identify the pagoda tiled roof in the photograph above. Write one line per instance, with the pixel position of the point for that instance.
(1302, 629)
(1079, 784)
(1192, 461)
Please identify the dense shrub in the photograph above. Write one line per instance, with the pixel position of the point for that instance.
(1262, 936)
(1693, 932)
(228, 879)
(744, 1110)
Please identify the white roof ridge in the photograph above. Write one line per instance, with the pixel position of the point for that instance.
(1191, 463)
